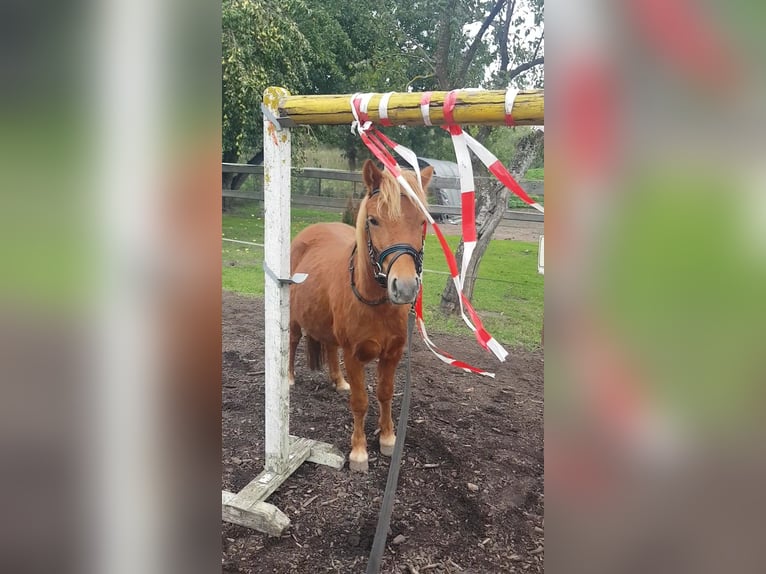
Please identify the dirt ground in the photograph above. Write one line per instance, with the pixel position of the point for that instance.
(470, 496)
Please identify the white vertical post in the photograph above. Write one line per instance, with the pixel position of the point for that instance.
(276, 201)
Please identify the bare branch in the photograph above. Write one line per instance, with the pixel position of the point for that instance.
(427, 59)
(505, 59)
(423, 77)
(473, 48)
(524, 67)
(537, 46)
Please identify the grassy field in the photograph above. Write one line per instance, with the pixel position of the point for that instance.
(329, 158)
(508, 293)
(515, 202)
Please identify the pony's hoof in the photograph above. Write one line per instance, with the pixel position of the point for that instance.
(387, 444)
(342, 387)
(362, 466)
(358, 460)
(386, 450)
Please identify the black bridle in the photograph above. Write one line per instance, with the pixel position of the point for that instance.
(377, 258)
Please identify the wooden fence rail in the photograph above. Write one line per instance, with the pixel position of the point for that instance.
(531, 187)
(337, 203)
(323, 202)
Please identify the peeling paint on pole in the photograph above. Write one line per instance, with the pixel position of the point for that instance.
(276, 152)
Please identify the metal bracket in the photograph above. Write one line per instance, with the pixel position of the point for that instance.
(296, 279)
(271, 117)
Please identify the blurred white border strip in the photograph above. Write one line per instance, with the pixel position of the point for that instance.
(130, 58)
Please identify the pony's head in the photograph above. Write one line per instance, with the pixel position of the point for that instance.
(390, 227)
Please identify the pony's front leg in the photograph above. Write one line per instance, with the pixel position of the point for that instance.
(385, 391)
(357, 460)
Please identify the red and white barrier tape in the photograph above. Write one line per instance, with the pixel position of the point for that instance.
(467, 191)
(442, 355)
(500, 172)
(461, 139)
(376, 143)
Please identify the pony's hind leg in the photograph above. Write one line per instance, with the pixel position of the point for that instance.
(357, 460)
(295, 338)
(385, 392)
(336, 376)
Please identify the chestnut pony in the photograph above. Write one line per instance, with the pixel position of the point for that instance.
(360, 285)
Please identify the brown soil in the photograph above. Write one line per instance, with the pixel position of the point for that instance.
(476, 430)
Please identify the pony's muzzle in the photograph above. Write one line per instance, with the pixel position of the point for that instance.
(403, 291)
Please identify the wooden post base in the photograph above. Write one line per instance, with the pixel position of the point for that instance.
(248, 506)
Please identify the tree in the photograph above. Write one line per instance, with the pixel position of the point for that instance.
(490, 206)
(309, 47)
(254, 36)
(519, 61)
(330, 46)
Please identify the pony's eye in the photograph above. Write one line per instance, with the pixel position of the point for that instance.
(373, 221)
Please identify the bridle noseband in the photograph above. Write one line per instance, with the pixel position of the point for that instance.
(376, 260)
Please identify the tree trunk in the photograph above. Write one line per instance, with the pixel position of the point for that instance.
(240, 178)
(234, 181)
(351, 155)
(505, 57)
(490, 207)
(228, 157)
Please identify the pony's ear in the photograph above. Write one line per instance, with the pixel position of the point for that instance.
(425, 176)
(371, 175)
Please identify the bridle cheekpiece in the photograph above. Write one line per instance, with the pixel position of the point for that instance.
(377, 259)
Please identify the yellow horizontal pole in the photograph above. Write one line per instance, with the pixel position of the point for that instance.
(477, 107)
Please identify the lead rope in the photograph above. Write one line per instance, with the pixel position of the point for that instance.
(384, 518)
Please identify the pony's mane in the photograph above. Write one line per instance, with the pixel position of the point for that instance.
(389, 200)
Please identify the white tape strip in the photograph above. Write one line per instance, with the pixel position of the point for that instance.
(425, 111)
(383, 106)
(365, 102)
(465, 168)
(497, 349)
(355, 123)
(411, 158)
(486, 156)
(468, 249)
(510, 98)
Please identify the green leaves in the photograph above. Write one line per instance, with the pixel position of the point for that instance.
(336, 46)
(254, 41)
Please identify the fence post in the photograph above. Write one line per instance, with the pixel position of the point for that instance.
(276, 204)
